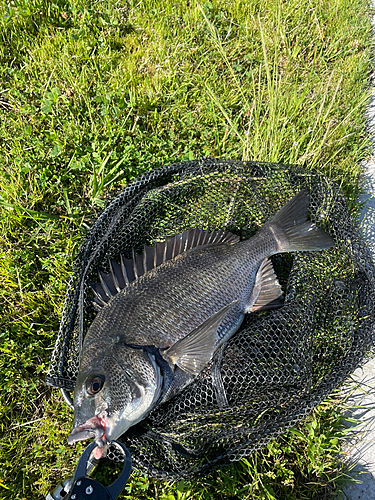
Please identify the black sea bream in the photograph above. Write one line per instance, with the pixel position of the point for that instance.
(163, 314)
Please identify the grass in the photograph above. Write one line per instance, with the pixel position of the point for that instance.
(93, 94)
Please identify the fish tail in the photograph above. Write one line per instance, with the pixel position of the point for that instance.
(292, 229)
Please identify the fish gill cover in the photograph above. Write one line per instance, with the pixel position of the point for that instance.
(281, 363)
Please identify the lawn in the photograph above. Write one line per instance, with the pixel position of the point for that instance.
(94, 93)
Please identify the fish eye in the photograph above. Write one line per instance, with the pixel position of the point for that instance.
(94, 384)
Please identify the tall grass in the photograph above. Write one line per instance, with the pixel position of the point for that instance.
(93, 93)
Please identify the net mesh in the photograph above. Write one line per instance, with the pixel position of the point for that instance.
(281, 363)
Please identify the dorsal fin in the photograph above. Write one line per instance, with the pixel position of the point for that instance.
(129, 270)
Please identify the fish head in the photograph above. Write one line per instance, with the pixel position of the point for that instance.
(116, 387)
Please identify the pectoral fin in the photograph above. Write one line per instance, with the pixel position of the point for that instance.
(195, 351)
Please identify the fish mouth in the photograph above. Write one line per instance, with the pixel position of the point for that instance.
(93, 427)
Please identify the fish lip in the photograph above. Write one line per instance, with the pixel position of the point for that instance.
(80, 435)
(96, 426)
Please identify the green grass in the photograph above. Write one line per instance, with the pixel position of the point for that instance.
(94, 93)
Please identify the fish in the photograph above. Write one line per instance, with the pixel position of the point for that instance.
(163, 314)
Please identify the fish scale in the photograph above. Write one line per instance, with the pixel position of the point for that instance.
(178, 304)
(146, 311)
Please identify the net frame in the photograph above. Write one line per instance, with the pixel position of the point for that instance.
(280, 364)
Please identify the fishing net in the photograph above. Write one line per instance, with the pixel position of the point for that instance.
(281, 363)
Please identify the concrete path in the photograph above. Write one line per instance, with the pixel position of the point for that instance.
(361, 443)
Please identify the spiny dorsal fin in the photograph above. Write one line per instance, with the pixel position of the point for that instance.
(129, 270)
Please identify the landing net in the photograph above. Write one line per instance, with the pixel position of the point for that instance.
(281, 363)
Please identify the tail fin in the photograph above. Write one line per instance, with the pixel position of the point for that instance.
(292, 230)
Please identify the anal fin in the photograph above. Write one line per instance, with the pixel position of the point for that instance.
(267, 285)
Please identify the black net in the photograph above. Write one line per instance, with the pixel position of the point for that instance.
(281, 363)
